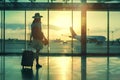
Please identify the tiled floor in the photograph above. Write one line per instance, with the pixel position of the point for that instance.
(63, 68)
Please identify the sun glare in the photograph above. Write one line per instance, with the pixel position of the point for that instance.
(63, 22)
(61, 19)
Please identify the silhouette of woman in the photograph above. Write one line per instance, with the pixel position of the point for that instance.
(37, 37)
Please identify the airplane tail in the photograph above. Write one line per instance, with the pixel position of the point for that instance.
(72, 32)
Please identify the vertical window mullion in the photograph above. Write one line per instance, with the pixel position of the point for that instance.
(83, 42)
(25, 33)
(108, 30)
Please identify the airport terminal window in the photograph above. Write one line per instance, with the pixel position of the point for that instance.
(96, 32)
(14, 31)
(60, 35)
(59, 24)
(76, 42)
(114, 31)
(18, 30)
(58, 30)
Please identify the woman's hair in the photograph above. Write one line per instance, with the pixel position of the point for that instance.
(37, 20)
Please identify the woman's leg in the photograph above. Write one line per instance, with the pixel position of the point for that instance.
(37, 59)
(37, 56)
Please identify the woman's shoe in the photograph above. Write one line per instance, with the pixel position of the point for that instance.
(38, 66)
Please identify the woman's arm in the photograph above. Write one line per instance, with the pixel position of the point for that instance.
(45, 41)
(30, 37)
(44, 38)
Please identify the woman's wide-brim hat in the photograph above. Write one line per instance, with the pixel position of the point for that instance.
(37, 15)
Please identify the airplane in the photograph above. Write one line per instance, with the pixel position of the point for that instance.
(90, 39)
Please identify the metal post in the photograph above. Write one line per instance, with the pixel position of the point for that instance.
(83, 30)
(83, 42)
(108, 28)
(48, 47)
(25, 33)
(3, 43)
(72, 45)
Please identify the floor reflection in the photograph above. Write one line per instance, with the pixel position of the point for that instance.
(83, 67)
(60, 68)
(65, 68)
(37, 74)
(27, 74)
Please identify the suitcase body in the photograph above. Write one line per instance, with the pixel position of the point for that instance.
(27, 58)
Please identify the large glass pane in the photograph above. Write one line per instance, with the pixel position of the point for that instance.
(59, 31)
(61, 35)
(14, 31)
(96, 32)
(114, 32)
(76, 33)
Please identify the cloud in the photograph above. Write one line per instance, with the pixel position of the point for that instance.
(14, 26)
(51, 27)
(22, 26)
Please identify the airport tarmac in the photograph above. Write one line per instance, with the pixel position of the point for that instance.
(59, 47)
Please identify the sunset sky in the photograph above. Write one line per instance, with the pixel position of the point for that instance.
(60, 22)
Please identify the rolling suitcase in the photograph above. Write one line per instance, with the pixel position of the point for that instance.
(27, 58)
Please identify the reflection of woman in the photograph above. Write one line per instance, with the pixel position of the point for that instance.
(37, 35)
